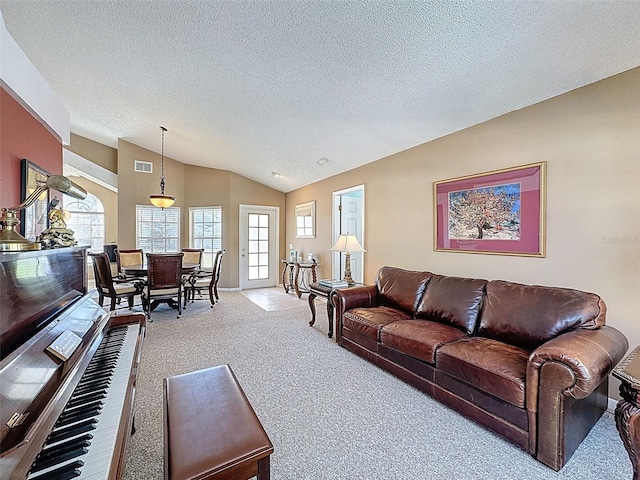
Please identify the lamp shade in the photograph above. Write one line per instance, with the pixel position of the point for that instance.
(64, 185)
(162, 201)
(347, 243)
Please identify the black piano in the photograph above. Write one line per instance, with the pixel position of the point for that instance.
(67, 371)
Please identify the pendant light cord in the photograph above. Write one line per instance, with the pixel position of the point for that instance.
(162, 162)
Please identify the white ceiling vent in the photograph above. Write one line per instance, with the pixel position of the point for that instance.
(144, 167)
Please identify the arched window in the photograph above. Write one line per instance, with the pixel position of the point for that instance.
(87, 221)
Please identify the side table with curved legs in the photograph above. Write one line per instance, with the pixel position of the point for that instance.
(294, 272)
(317, 290)
(628, 409)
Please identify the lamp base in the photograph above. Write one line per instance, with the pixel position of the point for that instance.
(10, 240)
(347, 269)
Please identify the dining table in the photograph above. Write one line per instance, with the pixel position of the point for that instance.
(140, 271)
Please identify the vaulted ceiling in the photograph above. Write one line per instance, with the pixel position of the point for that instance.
(258, 87)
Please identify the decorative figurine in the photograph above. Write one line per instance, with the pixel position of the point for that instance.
(57, 235)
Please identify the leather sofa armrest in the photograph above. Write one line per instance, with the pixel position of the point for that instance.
(348, 298)
(590, 355)
(560, 373)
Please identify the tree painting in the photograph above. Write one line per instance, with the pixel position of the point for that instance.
(490, 213)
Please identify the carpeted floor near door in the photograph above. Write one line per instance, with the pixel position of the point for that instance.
(330, 414)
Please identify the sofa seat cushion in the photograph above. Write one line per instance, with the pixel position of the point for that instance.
(418, 338)
(494, 367)
(368, 321)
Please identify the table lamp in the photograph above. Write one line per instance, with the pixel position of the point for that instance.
(347, 243)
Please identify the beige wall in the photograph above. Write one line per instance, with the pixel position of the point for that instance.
(106, 157)
(99, 154)
(590, 139)
(134, 188)
(192, 186)
(209, 187)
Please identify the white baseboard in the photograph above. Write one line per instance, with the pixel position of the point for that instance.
(612, 405)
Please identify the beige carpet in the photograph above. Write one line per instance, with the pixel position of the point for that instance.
(329, 413)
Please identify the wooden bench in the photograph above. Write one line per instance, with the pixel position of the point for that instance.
(210, 429)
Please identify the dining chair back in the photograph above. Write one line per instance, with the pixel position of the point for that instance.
(201, 280)
(192, 256)
(217, 268)
(109, 287)
(128, 258)
(164, 281)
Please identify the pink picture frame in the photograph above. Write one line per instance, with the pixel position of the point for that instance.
(500, 212)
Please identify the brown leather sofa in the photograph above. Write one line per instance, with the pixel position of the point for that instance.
(529, 362)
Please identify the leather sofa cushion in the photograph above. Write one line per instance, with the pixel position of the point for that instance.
(401, 288)
(529, 315)
(418, 338)
(452, 300)
(488, 365)
(368, 321)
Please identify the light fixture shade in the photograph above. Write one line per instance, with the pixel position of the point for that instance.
(347, 243)
(162, 201)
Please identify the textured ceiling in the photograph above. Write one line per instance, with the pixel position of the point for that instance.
(262, 86)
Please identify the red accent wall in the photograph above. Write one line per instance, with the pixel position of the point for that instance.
(23, 136)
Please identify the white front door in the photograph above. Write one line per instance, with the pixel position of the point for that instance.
(348, 217)
(258, 246)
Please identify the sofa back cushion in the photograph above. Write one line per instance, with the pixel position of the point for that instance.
(529, 315)
(400, 288)
(452, 300)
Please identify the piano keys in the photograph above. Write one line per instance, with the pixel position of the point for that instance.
(66, 419)
(87, 427)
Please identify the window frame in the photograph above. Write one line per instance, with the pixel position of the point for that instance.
(150, 246)
(95, 211)
(195, 241)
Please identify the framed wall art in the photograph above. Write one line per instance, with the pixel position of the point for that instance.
(500, 212)
(35, 219)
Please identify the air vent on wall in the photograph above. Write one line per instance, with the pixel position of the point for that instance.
(144, 167)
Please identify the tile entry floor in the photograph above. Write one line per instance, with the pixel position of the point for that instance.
(274, 298)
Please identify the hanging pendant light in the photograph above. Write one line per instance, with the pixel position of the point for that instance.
(162, 200)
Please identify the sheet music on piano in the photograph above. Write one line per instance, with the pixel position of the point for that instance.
(47, 404)
(64, 346)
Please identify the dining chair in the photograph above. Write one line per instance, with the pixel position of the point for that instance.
(164, 282)
(201, 280)
(110, 287)
(128, 258)
(192, 256)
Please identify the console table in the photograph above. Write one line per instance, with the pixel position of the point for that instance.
(296, 274)
(628, 409)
